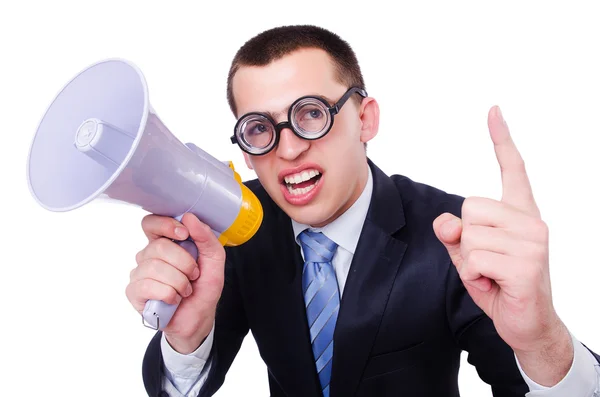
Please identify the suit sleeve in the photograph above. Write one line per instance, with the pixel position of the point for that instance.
(474, 332)
(231, 327)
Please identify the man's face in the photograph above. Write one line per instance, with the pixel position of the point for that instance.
(335, 163)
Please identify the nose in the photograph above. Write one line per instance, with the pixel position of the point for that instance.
(290, 145)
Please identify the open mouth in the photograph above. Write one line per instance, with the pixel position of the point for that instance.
(302, 182)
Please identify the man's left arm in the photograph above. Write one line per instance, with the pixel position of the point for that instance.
(500, 251)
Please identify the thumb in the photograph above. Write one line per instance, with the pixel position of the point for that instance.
(206, 241)
(448, 229)
(211, 254)
(208, 286)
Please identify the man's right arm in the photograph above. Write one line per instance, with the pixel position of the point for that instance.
(228, 332)
(167, 272)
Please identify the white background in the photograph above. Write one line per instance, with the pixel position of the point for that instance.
(436, 68)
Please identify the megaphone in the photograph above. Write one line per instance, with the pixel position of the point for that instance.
(100, 138)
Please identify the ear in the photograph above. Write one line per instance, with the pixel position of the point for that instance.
(247, 159)
(369, 117)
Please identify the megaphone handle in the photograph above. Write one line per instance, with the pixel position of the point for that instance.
(157, 314)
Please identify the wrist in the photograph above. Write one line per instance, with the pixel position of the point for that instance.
(550, 360)
(188, 344)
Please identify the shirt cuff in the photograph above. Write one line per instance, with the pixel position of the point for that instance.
(581, 380)
(188, 366)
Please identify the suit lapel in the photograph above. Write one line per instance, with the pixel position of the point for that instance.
(293, 368)
(374, 266)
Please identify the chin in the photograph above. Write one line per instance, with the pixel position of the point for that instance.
(309, 215)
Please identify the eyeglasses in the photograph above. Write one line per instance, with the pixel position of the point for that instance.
(309, 117)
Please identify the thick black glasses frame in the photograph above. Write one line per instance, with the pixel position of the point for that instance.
(333, 110)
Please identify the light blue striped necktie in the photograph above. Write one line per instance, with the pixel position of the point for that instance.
(321, 298)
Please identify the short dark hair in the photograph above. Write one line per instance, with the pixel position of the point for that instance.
(275, 43)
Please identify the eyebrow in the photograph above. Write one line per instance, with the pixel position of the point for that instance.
(329, 100)
(274, 115)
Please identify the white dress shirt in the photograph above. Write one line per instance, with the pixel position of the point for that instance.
(185, 374)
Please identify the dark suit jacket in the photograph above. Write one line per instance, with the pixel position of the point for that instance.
(404, 317)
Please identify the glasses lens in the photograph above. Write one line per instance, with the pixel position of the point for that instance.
(311, 117)
(256, 132)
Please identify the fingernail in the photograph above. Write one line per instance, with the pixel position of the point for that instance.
(449, 227)
(195, 273)
(180, 232)
(188, 290)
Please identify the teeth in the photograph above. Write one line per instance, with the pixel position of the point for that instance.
(299, 191)
(301, 176)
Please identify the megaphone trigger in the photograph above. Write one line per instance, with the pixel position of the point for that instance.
(100, 138)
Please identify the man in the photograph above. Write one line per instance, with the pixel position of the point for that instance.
(356, 283)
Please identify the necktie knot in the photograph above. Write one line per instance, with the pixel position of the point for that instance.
(317, 247)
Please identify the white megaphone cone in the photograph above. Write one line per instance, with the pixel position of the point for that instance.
(101, 138)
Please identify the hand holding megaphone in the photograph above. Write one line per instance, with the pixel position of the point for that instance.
(166, 272)
(100, 138)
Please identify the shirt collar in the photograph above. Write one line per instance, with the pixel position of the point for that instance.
(345, 230)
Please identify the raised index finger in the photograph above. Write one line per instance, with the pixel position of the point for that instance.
(516, 189)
